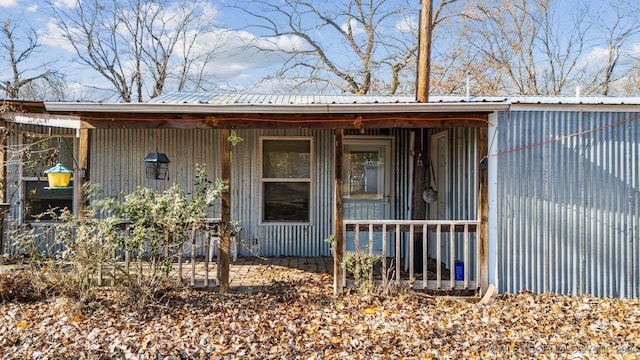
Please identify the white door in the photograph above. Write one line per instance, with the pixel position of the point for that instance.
(440, 182)
(367, 183)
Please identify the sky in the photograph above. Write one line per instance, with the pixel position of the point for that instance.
(236, 68)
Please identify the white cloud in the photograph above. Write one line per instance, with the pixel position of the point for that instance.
(237, 53)
(407, 24)
(356, 27)
(51, 36)
(65, 3)
(32, 8)
(597, 57)
(8, 3)
(635, 50)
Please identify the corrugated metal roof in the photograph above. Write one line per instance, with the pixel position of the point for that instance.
(277, 99)
(292, 99)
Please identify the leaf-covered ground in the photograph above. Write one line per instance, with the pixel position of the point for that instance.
(299, 318)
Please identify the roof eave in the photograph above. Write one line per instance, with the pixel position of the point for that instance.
(63, 107)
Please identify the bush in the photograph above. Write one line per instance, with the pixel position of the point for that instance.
(156, 227)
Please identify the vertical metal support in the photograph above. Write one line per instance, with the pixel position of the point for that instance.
(225, 229)
(338, 215)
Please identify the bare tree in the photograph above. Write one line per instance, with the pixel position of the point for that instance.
(519, 47)
(140, 46)
(616, 24)
(26, 81)
(339, 42)
(353, 46)
(405, 50)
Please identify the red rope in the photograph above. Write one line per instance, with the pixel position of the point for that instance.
(565, 137)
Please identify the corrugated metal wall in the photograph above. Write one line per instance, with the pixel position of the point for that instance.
(283, 240)
(569, 202)
(116, 163)
(461, 189)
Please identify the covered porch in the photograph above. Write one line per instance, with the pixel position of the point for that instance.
(411, 239)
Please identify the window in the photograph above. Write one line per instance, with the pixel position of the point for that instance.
(40, 154)
(285, 179)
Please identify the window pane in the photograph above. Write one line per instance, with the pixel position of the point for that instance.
(286, 159)
(362, 177)
(43, 153)
(38, 199)
(286, 201)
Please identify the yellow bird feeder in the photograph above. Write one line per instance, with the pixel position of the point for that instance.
(58, 176)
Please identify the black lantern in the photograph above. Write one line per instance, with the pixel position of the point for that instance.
(156, 166)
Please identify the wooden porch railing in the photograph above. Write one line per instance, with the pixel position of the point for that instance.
(457, 237)
(200, 247)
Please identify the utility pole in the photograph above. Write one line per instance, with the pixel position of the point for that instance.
(421, 155)
(424, 51)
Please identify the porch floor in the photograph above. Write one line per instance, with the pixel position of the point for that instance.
(249, 274)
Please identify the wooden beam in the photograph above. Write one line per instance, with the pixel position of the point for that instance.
(424, 51)
(338, 215)
(285, 121)
(82, 163)
(226, 212)
(483, 207)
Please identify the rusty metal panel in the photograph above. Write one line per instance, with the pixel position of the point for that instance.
(569, 203)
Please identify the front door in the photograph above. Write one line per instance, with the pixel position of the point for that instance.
(367, 184)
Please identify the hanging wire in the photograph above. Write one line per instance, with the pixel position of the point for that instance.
(73, 158)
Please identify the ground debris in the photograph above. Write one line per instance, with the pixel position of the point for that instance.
(299, 317)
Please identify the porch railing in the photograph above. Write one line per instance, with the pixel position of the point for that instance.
(445, 252)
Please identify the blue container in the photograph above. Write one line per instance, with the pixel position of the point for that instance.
(459, 270)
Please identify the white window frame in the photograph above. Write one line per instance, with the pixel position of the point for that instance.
(25, 179)
(263, 180)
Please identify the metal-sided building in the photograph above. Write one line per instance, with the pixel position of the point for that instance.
(525, 193)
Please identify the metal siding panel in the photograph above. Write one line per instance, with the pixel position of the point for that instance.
(275, 239)
(568, 205)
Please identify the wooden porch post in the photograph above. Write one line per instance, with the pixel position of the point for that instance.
(83, 163)
(483, 207)
(4, 134)
(338, 215)
(225, 212)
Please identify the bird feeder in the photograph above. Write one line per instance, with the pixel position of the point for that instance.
(58, 176)
(156, 166)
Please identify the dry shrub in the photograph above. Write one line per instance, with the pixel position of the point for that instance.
(22, 286)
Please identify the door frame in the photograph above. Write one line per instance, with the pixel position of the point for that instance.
(379, 141)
